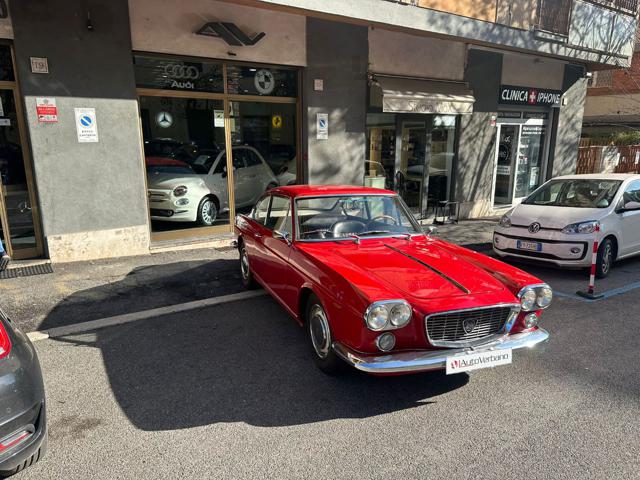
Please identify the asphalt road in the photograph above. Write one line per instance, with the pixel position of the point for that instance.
(230, 392)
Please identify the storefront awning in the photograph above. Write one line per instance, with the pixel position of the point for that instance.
(401, 95)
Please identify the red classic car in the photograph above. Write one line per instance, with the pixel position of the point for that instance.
(353, 266)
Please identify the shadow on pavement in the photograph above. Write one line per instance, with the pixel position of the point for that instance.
(148, 287)
(241, 362)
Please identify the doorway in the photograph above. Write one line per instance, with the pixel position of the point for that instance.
(19, 228)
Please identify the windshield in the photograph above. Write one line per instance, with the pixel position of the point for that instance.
(576, 193)
(353, 216)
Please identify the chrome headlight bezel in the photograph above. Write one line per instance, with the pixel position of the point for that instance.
(180, 191)
(540, 298)
(505, 221)
(389, 306)
(581, 228)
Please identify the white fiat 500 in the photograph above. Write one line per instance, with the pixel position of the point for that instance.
(196, 190)
(559, 222)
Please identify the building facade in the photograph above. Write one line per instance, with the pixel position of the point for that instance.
(128, 123)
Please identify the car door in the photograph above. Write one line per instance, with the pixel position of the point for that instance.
(277, 242)
(255, 232)
(629, 216)
(259, 179)
(241, 179)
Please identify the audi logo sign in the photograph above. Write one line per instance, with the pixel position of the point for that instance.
(181, 72)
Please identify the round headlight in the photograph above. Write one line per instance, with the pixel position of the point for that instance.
(386, 341)
(528, 300)
(180, 191)
(545, 295)
(400, 315)
(377, 317)
(530, 320)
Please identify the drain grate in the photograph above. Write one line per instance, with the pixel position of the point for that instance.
(26, 271)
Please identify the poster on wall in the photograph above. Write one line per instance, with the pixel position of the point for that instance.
(322, 126)
(86, 125)
(46, 109)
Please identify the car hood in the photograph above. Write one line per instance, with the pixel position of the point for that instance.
(171, 180)
(418, 268)
(554, 217)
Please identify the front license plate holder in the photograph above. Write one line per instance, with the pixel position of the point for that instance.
(530, 246)
(476, 361)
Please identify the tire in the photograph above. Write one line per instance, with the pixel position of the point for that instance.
(320, 339)
(605, 258)
(207, 212)
(245, 269)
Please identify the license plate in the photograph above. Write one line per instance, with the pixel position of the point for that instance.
(476, 361)
(533, 246)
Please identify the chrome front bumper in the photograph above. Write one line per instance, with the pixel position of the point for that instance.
(425, 360)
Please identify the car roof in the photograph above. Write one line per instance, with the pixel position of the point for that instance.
(328, 190)
(599, 176)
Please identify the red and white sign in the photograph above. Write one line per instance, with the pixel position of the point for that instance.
(475, 361)
(46, 109)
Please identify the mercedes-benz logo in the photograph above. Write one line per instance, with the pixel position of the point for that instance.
(468, 324)
(534, 227)
(164, 119)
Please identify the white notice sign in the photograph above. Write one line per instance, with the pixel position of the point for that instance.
(218, 118)
(86, 125)
(322, 126)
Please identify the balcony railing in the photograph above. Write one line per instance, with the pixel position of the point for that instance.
(630, 6)
(554, 16)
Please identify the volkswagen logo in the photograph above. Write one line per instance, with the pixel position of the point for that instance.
(468, 324)
(181, 72)
(534, 227)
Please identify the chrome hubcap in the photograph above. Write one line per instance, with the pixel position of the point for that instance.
(320, 333)
(244, 264)
(606, 258)
(209, 212)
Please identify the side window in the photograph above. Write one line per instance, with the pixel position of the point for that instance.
(239, 155)
(252, 158)
(279, 217)
(632, 193)
(220, 166)
(259, 213)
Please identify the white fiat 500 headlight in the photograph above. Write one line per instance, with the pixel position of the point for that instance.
(535, 297)
(387, 315)
(582, 227)
(505, 221)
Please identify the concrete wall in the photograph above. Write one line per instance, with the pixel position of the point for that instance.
(92, 195)
(517, 13)
(338, 54)
(564, 156)
(532, 71)
(169, 26)
(396, 53)
(473, 173)
(480, 9)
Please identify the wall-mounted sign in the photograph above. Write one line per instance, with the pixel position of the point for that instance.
(509, 114)
(276, 121)
(230, 33)
(543, 115)
(86, 125)
(39, 65)
(322, 126)
(318, 84)
(46, 109)
(218, 118)
(177, 74)
(512, 95)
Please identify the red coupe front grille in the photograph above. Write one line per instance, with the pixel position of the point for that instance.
(450, 326)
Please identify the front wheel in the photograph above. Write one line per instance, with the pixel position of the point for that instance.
(320, 340)
(207, 212)
(245, 270)
(604, 260)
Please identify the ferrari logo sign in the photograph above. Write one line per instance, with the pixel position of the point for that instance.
(276, 121)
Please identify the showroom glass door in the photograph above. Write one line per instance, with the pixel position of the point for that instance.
(18, 217)
(410, 173)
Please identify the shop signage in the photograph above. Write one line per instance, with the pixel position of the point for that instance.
(512, 95)
(46, 110)
(264, 81)
(39, 65)
(218, 118)
(164, 119)
(86, 125)
(230, 33)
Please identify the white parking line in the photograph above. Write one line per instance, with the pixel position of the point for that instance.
(142, 315)
(606, 294)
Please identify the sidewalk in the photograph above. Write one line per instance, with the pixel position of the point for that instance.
(85, 291)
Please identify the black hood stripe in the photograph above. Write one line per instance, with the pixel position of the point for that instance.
(434, 270)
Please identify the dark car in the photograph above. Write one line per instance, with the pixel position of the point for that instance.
(23, 425)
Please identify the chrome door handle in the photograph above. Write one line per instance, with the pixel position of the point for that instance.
(257, 235)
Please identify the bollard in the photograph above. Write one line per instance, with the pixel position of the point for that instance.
(590, 293)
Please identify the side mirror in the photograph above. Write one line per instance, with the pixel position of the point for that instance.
(224, 172)
(430, 230)
(280, 235)
(630, 206)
